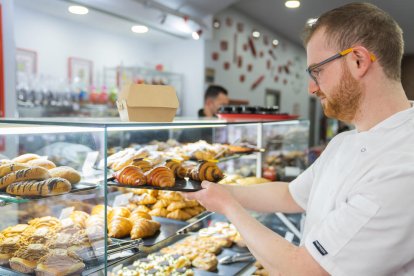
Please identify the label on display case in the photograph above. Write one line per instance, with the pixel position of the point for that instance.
(65, 213)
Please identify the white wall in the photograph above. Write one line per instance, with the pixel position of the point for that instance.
(294, 92)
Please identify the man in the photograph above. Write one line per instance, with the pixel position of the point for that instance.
(214, 97)
(358, 194)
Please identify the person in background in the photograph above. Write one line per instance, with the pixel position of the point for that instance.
(357, 194)
(214, 97)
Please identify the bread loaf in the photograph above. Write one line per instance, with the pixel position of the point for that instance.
(32, 173)
(67, 173)
(11, 167)
(48, 187)
(24, 158)
(44, 163)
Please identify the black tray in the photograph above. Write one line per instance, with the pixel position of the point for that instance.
(181, 185)
(81, 186)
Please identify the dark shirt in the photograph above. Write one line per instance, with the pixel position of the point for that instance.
(201, 113)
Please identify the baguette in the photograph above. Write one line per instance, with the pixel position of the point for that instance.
(11, 167)
(48, 187)
(32, 173)
(68, 173)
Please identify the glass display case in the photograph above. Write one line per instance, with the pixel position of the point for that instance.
(62, 214)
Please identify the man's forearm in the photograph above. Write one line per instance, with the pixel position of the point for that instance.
(268, 197)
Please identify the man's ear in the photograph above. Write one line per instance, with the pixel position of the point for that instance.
(360, 61)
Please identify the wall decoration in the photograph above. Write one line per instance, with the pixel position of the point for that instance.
(268, 64)
(257, 82)
(229, 21)
(239, 61)
(261, 54)
(285, 81)
(251, 46)
(245, 47)
(276, 78)
(235, 48)
(272, 54)
(26, 61)
(210, 75)
(224, 45)
(240, 27)
(249, 67)
(242, 78)
(287, 70)
(266, 40)
(216, 23)
(215, 56)
(279, 69)
(226, 65)
(80, 71)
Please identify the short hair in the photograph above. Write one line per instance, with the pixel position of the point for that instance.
(367, 25)
(213, 91)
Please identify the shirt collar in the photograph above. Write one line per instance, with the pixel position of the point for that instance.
(397, 119)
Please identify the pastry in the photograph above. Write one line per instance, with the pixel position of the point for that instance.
(24, 158)
(25, 259)
(191, 203)
(42, 235)
(79, 218)
(142, 164)
(128, 159)
(100, 209)
(173, 196)
(206, 261)
(119, 212)
(159, 212)
(59, 262)
(8, 247)
(130, 175)
(207, 171)
(143, 199)
(204, 155)
(68, 173)
(119, 227)
(135, 215)
(142, 208)
(160, 177)
(11, 167)
(179, 214)
(175, 205)
(47, 221)
(175, 166)
(144, 228)
(32, 173)
(44, 163)
(161, 203)
(48, 187)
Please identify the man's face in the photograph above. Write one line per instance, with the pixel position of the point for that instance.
(220, 100)
(340, 93)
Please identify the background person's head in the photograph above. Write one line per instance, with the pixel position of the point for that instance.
(214, 97)
(375, 38)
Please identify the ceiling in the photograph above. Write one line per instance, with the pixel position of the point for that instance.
(289, 22)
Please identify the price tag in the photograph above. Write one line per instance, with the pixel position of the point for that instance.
(292, 171)
(44, 157)
(90, 160)
(122, 200)
(66, 212)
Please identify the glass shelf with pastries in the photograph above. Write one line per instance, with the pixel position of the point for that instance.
(138, 220)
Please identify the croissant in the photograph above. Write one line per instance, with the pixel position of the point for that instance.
(119, 212)
(119, 227)
(143, 199)
(161, 203)
(100, 209)
(175, 205)
(79, 218)
(142, 208)
(206, 170)
(144, 228)
(130, 175)
(144, 165)
(159, 212)
(175, 166)
(169, 195)
(135, 215)
(179, 214)
(160, 177)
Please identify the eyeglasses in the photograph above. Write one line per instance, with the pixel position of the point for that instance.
(314, 74)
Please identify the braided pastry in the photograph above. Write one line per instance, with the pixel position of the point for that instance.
(144, 165)
(206, 170)
(175, 166)
(130, 175)
(160, 177)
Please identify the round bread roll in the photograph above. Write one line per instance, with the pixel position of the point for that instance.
(25, 158)
(68, 173)
(44, 163)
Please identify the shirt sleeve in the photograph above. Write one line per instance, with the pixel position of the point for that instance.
(300, 187)
(370, 233)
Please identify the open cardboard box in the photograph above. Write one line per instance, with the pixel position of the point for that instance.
(147, 103)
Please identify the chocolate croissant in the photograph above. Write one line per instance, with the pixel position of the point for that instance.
(206, 170)
(131, 175)
(160, 177)
(175, 166)
(144, 165)
(144, 228)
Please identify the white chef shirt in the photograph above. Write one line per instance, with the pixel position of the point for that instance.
(359, 198)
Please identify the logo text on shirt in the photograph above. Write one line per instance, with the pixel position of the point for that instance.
(320, 248)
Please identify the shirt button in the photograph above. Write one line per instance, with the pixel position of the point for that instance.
(363, 150)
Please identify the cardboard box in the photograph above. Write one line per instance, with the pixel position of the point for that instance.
(147, 103)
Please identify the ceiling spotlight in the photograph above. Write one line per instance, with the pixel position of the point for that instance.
(256, 34)
(216, 24)
(275, 42)
(139, 29)
(81, 10)
(196, 35)
(311, 21)
(292, 4)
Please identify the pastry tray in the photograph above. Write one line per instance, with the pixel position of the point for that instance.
(78, 187)
(181, 185)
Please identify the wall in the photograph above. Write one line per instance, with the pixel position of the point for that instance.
(292, 85)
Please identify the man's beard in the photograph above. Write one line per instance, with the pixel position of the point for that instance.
(344, 102)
